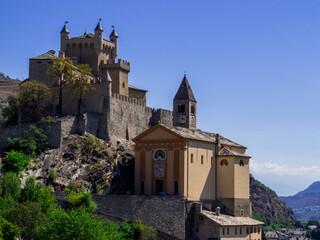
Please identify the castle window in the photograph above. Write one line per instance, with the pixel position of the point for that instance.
(241, 212)
(176, 188)
(255, 229)
(223, 232)
(181, 108)
(241, 163)
(228, 231)
(202, 159)
(224, 162)
(240, 230)
(258, 229)
(192, 109)
(191, 157)
(247, 230)
(123, 85)
(236, 231)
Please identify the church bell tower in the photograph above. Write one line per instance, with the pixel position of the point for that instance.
(185, 106)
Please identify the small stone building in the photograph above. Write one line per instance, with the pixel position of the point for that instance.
(206, 168)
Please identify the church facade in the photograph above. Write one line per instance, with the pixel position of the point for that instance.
(205, 168)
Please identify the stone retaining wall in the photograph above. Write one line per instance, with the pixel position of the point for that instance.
(167, 214)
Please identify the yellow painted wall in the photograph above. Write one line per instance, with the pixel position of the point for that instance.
(201, 175)
(241, 173)
(225, 178)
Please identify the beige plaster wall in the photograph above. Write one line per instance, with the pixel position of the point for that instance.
(201, 175)
(225, 178)
(241, 181)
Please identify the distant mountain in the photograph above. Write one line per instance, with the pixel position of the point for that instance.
(306, 204)
(266, 203)
(7, 87)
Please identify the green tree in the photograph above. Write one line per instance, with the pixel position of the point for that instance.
(8, 231)
(34, 96)
(10, 113)
(16, 161)
(81, 84)
(28, 217)
(62, 68)
(10, 185)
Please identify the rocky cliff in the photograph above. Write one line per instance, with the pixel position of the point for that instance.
(89, 161)
(266, 202)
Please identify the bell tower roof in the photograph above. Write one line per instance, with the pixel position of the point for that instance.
(65, 29)
(185, 92)
(98, 27)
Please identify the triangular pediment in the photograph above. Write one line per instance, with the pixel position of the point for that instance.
(158, 132)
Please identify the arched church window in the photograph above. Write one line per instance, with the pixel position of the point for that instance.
(241, 163)
(224, 162)
(91, 46)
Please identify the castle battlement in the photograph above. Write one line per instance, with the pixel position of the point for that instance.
(123, 64)
(134, 101)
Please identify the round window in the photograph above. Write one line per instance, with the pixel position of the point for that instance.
(159, 155)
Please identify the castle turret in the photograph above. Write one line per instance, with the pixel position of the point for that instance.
(114, 38)
(64, 35)
(98, 36)
(185, 106)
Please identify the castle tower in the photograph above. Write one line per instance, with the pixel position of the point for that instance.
(64, 35)
(114, 38)
(185, 106)
(98, 37)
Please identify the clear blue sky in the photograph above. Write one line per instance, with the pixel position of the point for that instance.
(253, 66)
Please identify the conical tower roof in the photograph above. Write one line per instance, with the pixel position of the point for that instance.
(185, 92)
(65, 29)
(98, 27)
(113, 33)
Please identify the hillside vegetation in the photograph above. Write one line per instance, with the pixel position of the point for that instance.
(267, 207)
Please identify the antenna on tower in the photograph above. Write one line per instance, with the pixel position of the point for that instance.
(65, 23)
(100, 19)
(112, 26)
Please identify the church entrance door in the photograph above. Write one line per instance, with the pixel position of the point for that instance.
(158, 186)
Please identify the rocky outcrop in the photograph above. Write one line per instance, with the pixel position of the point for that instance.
(266, 202)
(89, 161)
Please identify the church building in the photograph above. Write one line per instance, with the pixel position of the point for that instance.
(205, 168)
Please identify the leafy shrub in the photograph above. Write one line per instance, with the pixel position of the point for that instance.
(143, 232)
(28, 146)
(77, 224)
(40, 194)
(52, 175)
(10, 113)
(8, 231)
(74, 186)
(36, 144)
(28, 217)
(82, 199)
(10, 185)
(126, 230)
(16, 161)
(6, 203)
